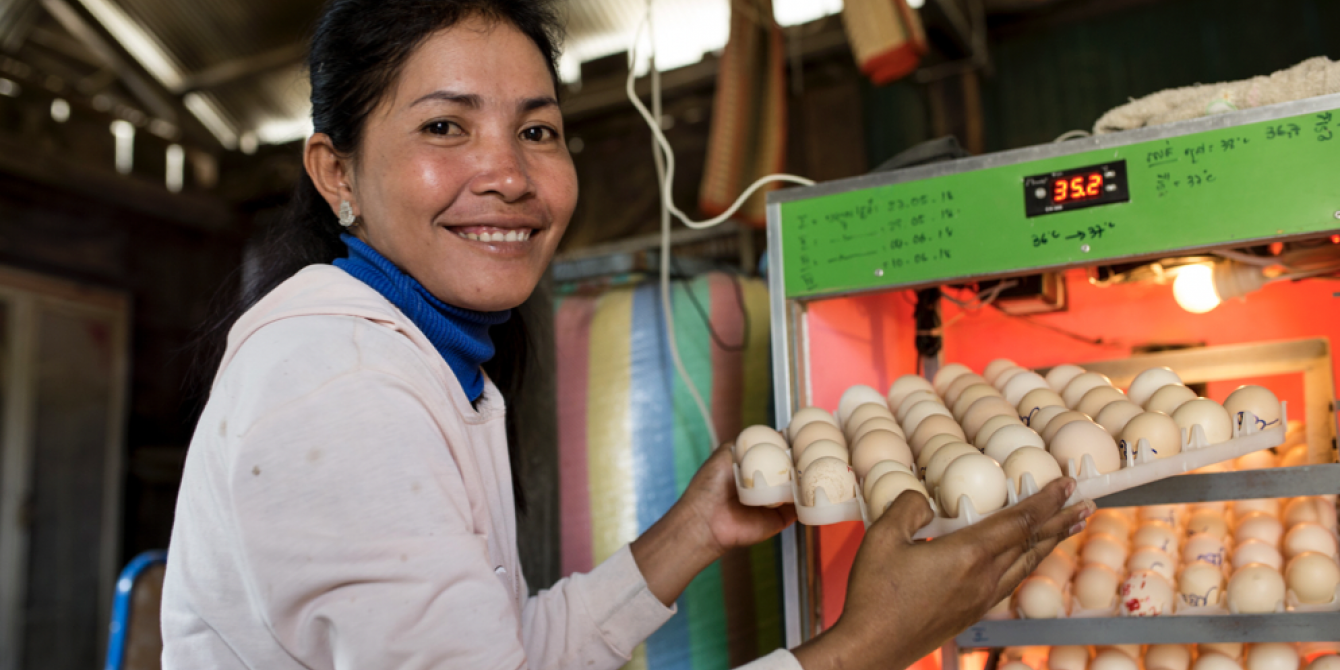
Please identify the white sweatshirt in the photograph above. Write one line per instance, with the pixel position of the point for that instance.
(344, 507)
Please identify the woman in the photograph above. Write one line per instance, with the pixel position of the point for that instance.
(348, 499)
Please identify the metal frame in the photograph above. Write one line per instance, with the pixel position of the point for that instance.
(1291, 627)
(121, 606)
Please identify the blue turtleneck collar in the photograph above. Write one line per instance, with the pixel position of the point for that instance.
(461, 336)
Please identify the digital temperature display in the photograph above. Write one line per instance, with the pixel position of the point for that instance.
(1075, 189)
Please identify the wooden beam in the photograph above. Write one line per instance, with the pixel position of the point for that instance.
(243, 68)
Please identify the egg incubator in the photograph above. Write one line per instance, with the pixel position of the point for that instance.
(844, 257)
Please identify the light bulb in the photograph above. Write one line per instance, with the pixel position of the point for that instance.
(1194, 289)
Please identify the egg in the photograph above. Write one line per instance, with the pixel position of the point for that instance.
(1256, 460)
(1160, 430)
(1009, 438)
(1057, 566)
(1082, 384)
(1033, 461)
(1209, 415)
(1104, 549)
(994, 368)
(1037, 399)
(1020, 385)
(1078, 439)
(864, 413)
(1230, 650)
(911, 401)
(982, 410)
(1131, 650)
(821, 449)
(960, 385)
(768, 461)
(1325, 662)
(1149, 558)
(1146, 383)
(1201, 584)
(1168, 514)
(1071, 657)
(1054, 426)
(815, 432)
(1214, 662)
(1015, 665)
(1071, 545)
(1294, 457)
(975, 476)
(1256, 589)
(887, 490)
(1273, 656)
(932, 445)
(854, 397)
(1146, 593)
(1256, 551)
(924, 410)
(1040, 419)
(935, 469)
(971, 395)
(1112, 659)
(882, 468)
(756, 435)
(1155, 535)
(1059, 376)
(1111, 522)
(1097, 398)
(805, 416)
(1219, 507)
(1000, 610)
(1115, 415)
(832, 476)
(906, 385)
(1095, 586)
(1169, 398)
(1005, 376)
(1313, 578)
(1207, 521)
(1259, 401)
(935, 425)
(1309, 509)
(1039, 598)
(876, 446)
(1168, 657)
(1242, 508)
(1258, 526)
(946, 376)
(992, 425)
(1204, 547)
(874, 424)
(1309, 537)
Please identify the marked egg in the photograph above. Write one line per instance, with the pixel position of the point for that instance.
(1146, 593)
(876, 446)
(1256, 551)
(807, 415)
(879, 470)
(992, 425)
(1313, 578)
(1207, 521)
(935, 425)
(1078, 439)
(932, 445)
(831, 475)
(1201, 584)
(1309, 537)
(1097, 398)
(1214, 662)
(1096, 586)
(924, 410)
(854, 397)
(768, 461)
(1104, 549)
(1157, 560)
(1168, 657)
(971, 395)
(1169, 398)
(1272, 656)
(821, 449)
(874, 424)
(1112, 659)
(1081, 384)
(911, 401)
(815, 432)
(1115, 415)
(1054, 426)
(1057, 566)
(1263, 405)
(1159, 429)
(947, 454)
(1071, 657)
(1258, 526)
(1204, 547)
(946, 376)
(1169, 514)
(1256, 589)
(755, 435)
(1146, 383)
(1209, 415)
(1059, 376)
(1020, 385)
(994, 368)
(906, 385)
(1034, 461)
(887, 490)
(975, 476)
(1037, 399)
(1039, 598)
(982, 410)
(1043, 417)
(1156, 535)
(864, 413)
(960, 385)
(1008, 438)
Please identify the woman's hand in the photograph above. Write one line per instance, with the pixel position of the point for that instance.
(906, 598)
(706, 522)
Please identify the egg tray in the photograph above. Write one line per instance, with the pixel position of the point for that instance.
(1140, 468)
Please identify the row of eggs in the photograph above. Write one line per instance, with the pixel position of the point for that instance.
(1208, 656)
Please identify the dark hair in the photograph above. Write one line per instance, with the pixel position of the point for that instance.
(357, 51)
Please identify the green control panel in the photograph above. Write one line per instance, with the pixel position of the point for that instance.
(1216, 182)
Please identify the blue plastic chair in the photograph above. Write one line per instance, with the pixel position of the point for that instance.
(125, 587)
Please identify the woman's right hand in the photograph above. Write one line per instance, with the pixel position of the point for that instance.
(906, 598)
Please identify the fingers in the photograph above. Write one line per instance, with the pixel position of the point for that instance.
(909, 513)
(1058, 527)
(1017, 526)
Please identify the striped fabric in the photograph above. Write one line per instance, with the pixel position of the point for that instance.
(631, 438)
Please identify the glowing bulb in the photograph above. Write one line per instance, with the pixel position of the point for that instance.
(1194, 289)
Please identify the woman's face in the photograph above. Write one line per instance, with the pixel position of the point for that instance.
(463, 178)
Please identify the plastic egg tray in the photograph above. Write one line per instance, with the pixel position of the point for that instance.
(1136, 471)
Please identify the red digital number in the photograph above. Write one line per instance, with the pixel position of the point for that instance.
(1076, 188)
(1060, 191)
(1095, 185)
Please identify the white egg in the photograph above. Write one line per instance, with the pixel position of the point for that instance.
(1157, 560)
(1256, 551)
(864, 413)
(833, 476)
(1215, 662)
(1169, 514)
(1059, 376)
(1159, 429)
(924, 410)
(805, 416)
(1008, 438)
(1156, 535)
(1096, 586)
(1209, 415)
(1146, 593)
(1313, 577)
(1054, 425)
(1230, 650)
(1097, 398)
(887, 490)
(906, 385)
(876, 446)
(1169, 398)
(946, 376)
(1034, 461)
(1006, 375)
(1071, 657)
(1020, 385)
(1132, 650)
(854, 397)
(994, 368)
(1081, 384)
(1115, 415)
(821, 449)
(1294, 457)
(1146, 383)
(971, 395)
(1258, 526)
(1112, 522)
(1039, 598)
(1310, 509)
(1112, 659)
(1256, 460)
(1204, 547)
(928, 450)
(1256, 589)
(1325, 662)
(912, 400)
(1273, 656)
(1071, 545)
(815, 432)
(1259, 401)
(935, 425)
(1309, 537)
(1168, 657)
(1001, 610)
(982, 410)
(1043, 417)
(1037, 399)
(1201, 584)
(947, 454)
(756, 435)
(882, 468)
(1207, 521)
(1057, 566)
(992, 425)
(1078, 439)
(1242, 508)
(768, 461)
(960, 385)
(977, 477)
(874, 424)
(1104, 549)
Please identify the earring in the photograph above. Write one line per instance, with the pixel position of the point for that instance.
(346, 214)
